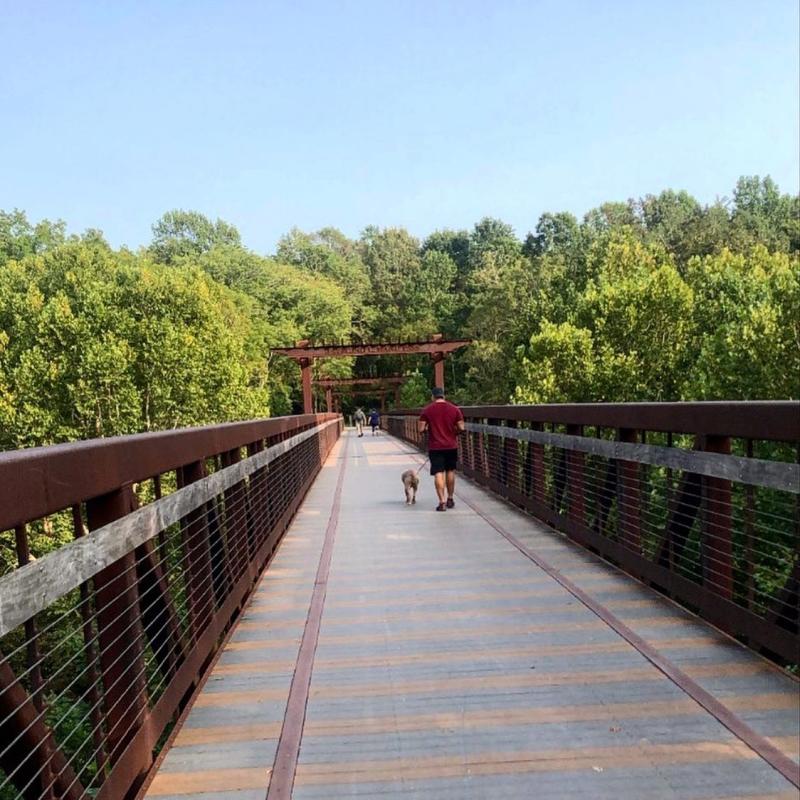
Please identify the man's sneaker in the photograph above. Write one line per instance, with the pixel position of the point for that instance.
(441, 507)
(450, 503)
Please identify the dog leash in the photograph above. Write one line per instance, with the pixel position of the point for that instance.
(421, 466)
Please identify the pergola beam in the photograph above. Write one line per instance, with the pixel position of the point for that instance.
(431, 347)
(304, 353)
(389, 380)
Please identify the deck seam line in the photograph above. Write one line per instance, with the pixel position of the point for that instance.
(288, 751)
(738, 727)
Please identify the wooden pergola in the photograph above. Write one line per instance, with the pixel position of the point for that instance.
(342, 384)
(304, 353)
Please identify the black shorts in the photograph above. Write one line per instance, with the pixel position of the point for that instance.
(443, 460)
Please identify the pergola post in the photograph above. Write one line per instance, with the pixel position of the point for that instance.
(438, 369)
(308, 399)
(329, 399)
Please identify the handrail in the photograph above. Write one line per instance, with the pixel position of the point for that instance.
(700, 500)
(105, 639)
(39, 481)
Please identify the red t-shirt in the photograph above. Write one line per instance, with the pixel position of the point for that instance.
(442, 418)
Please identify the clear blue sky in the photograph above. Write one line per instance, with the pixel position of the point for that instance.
(424, 113)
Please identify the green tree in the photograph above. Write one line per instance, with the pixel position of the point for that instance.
(183, 233)
(288, 304)
(97, 343)
(763, 215)
(19, 238)
(331, 254)
(557, 366)
(747, 313)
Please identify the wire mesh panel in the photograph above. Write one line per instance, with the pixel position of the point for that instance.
(103, 640)
(698, 499)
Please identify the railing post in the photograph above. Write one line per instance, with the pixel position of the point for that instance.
(236, 518)
(536, 468)
(494, 472)
(196, 551)
(717, 540)
(575, 479)
(256, 505)
(511, 448)
(629, 498)
(119, 634)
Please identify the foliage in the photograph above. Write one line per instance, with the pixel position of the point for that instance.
(660, 298)
(182, 233)
(96, 344)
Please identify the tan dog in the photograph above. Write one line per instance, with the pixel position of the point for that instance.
(411, 484)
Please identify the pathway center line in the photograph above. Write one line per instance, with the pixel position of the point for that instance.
(283, 771)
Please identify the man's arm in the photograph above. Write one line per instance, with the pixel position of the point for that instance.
(422, 425)
(460, 427)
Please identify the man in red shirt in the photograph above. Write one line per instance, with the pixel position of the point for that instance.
(444, 422)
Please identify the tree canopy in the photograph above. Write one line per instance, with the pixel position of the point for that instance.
(658, 298)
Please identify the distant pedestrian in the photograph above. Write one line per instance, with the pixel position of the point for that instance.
(374, 421)
(443, 422)
(361, 420)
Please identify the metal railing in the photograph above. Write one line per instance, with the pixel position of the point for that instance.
(104, 640)
(700, 500)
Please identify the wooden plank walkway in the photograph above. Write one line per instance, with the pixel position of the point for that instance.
(449, 665)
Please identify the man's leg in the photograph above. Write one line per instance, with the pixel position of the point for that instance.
(451, 483)
(439, 483)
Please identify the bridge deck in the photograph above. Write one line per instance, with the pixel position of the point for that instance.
(450, 665)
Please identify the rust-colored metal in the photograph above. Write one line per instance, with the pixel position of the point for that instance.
(511, 461)
(438, 369)
(235, 518)
(576, 463)
(767, 420)
(132, 594)
(735, 724)
(629, 502)
(89, 643)
(34, 662)
(339, 383)
(282, 776)
(116, 600)
(197, 552)
(424, 347)
(40, 481)
(717, 533)
(306, 365)
(708, 585)
(304, 353)
(33, 760)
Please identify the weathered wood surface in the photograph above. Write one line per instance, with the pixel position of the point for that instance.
(32, 588)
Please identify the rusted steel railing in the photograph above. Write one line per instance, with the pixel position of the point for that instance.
(700, 500)
(104, 639)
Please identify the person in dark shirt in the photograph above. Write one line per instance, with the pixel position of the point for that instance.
(374, 421)
(443, 422)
